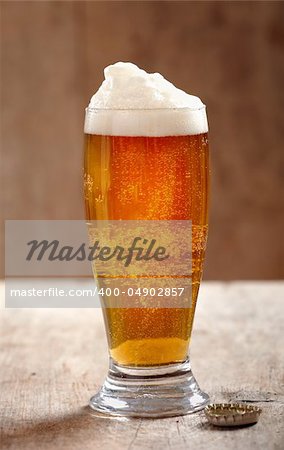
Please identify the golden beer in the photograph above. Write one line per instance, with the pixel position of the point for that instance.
(150, 178)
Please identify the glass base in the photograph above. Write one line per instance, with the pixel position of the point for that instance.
(163, 391)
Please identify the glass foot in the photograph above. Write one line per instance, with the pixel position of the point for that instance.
(163, 391)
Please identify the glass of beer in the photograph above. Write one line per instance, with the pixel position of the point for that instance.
(162, 176)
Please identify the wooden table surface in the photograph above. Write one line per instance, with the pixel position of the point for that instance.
(53, 360)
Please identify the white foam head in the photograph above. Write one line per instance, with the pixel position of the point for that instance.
(132, 102)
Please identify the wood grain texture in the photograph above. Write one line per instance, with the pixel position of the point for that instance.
(53, 360)
(231, 54)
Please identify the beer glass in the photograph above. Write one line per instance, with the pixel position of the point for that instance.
(127, 177)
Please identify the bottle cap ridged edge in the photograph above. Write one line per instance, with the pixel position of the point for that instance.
(232, 414)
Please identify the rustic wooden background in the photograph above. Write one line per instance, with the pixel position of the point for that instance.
(229, 53)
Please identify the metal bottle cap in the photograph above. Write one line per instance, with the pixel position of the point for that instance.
(232, 414)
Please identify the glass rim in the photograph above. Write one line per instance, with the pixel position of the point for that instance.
(172, 108)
